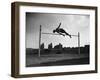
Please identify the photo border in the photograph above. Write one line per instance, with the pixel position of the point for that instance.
(15, 32)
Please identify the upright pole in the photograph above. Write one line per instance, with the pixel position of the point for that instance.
(39, 42)
(78, 42)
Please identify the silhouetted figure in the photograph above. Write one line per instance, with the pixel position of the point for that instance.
(61, 31)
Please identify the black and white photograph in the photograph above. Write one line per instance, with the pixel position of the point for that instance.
(55, 39)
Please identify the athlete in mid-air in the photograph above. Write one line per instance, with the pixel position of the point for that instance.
(61, 31)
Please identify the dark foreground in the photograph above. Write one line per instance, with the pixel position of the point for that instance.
(63, 62)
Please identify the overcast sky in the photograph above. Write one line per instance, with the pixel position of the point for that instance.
(71, 23)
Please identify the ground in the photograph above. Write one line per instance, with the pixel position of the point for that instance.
(56, 59)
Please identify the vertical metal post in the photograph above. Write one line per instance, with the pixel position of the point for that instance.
(78, 42)
(39, 42)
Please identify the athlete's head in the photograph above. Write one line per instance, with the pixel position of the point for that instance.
(54, 31)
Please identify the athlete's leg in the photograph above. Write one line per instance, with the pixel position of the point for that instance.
(61, 34)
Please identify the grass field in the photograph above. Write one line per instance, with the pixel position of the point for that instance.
(56, 59)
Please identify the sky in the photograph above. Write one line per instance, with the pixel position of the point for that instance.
(71, 23)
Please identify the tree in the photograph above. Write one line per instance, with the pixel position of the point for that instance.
(42, 46)
(50, 46)
(59, 46)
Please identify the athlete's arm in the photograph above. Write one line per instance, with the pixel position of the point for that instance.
(59, 26)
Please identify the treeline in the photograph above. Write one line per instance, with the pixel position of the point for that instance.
(58, 49)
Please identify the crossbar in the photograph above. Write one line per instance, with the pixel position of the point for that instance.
(50, 33)
(57, 34)
(75, 35)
